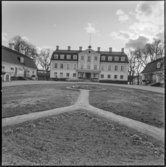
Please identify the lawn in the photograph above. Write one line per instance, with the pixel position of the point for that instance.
(77, 138)
(140, 105)
(24, 99)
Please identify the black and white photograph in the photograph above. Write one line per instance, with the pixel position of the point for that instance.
(83, 83)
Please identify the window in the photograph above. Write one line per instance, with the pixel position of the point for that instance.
(102, 67)
(62, 56)
(12, 68)
(55, 56)
(55, 74)
(89, 58)
(61, 74)
(109, 68)
(122, 58)
(115, 76)
(82, 66)
(88, 66)
(33, 72)
(109, 76)
(75, 57)
(68, 66)
(82, 57)
(116, 68)
(3, 67)
(121, 76)
(158, 64)
(68, 56)
(102, 75)
(122, 68)
(56, 65)
(102, 57)
(95, 67)
(22, 60)
(74, 74)
(75, 66)
(95, 58)
(67, 74)
(116, 58)
(61, 65)
(110, 58)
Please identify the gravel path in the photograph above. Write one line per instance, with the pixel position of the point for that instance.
(83, 103)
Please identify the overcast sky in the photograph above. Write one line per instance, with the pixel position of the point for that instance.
(113, 24)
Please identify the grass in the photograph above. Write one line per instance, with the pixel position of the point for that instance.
(140, 105)
(24, 99)
(76, 138)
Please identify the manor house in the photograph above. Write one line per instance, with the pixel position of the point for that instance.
(101, 66)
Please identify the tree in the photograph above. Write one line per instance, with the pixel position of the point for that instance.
(142, 56)
(44, 58)
(155, 49)
(133, 65)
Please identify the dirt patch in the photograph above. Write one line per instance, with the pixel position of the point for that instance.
(76, 138)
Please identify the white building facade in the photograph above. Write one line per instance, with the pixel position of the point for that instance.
(16, 64)
(90, 65)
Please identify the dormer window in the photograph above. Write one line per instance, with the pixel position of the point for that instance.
(116, 58)
(102, 57)
(68, 56)
(62, 56)
(110, 58)
(22, 60)
(122, 58)
(55, 56)
(158, 64)
(75, 57)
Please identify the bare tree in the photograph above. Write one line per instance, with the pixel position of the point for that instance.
(44, 59)
(155, 49)
(133, 65)
(142, 56)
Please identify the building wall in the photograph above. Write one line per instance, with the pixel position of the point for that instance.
(92, 62)
(59, 70)
(112, 72)
(8, 69)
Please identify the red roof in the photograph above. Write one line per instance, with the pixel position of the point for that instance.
(12, 56)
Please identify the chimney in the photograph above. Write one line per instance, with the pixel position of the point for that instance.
(80, 48)
(98, 49)
(11, 45)
(57, 47)
(68, 47)
(110, 49)
(23, 51)
(123, 50)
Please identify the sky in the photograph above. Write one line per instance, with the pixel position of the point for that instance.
(116, 24)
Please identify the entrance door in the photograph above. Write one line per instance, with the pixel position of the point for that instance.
(88, 75)
(7, 77)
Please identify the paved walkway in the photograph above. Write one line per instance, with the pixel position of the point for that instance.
(148, 88)
(83, 103)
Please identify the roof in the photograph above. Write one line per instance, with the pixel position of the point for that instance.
(152, 66)
(103, 53)
(12, 56)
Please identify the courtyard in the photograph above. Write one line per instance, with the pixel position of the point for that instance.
(70, 134)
